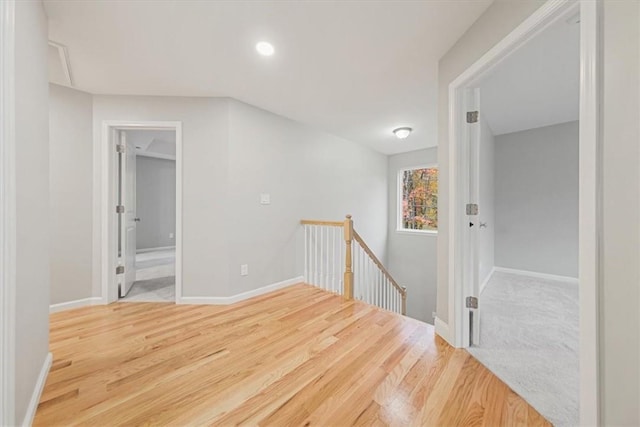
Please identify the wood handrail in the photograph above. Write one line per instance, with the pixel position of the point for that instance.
(374, 258)
(349, 236)
(325, 223)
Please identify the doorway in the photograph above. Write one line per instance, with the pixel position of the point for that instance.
(148, 178)
(142, 206)
(523, 174)
(465, 212)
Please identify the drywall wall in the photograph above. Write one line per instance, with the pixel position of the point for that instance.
(155, 202)
(498, 20)
(308, 174)
(232, 153)
(412, 256)
(205, 182)
(486, 202)
(536, 200)
(32, 201)
(620, 293)
(70, 185)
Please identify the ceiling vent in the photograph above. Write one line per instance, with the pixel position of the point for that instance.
(59, 66)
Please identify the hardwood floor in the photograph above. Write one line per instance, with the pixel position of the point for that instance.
(298, 356)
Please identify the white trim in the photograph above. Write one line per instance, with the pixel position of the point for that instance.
(418, 232)
(7, 214)
(106, 197)
(242, 296)
(159, 248)
(537, 275)
(37, 391)
(590, 212)
(590, 208)
(486, 280)
(442, 329)
(85, 302)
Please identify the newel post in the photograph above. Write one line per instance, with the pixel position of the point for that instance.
(348, 263)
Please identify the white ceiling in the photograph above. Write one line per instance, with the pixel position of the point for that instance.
(156, 143)
(538, 85)
(356, 69)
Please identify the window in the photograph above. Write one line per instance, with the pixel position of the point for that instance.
(418, 199)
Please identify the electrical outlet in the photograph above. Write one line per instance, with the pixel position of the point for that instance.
(244, 270)
(171, 235)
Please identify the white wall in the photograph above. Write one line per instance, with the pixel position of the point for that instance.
(620, 299)
(232, 153)
(486, 202)
(205, 181)
(155, 202)
(412, 256)
(32, 200)
(536, 200)
(309, 175)
(70, 175)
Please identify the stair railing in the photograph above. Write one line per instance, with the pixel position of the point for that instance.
(337, 259)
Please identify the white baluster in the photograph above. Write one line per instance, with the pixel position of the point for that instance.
(394, 298)
(386, 295)
(395, 301)
(333, 259)
(306, 277)
(370, 286)
(316, 264)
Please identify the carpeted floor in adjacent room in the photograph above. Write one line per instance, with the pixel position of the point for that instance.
(529, 336)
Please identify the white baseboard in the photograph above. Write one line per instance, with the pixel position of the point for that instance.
(54, 308)
(161, 248)
(242, 296)
(442, 329)
(486, 279)
(37, 391)
(566, 279)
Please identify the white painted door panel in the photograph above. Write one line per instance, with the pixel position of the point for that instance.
(473, 135)
(129, 220)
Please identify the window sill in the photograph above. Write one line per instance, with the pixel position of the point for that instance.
(417, 232)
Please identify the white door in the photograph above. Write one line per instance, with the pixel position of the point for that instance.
(473, 235)
(128, 220)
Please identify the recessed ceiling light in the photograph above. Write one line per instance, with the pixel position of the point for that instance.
(265, 49)
(402, 133)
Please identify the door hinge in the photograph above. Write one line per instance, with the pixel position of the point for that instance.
(121, 148)
(472, 302)
(120, 269)
(472, 209)
(120, 209)
(472, 117)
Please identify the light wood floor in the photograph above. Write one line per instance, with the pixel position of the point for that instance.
(298, 356)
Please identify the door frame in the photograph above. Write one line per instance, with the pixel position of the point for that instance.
(108, 188)
(590, 184)
(7, 214)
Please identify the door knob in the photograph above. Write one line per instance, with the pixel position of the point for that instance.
(136, 219)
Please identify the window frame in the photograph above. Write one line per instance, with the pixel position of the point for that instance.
(399, 228)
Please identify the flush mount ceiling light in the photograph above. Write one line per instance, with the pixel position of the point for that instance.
(265, 48)
(402, 133)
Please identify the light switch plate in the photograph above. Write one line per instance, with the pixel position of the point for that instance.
(265, 199)
(244, 270)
